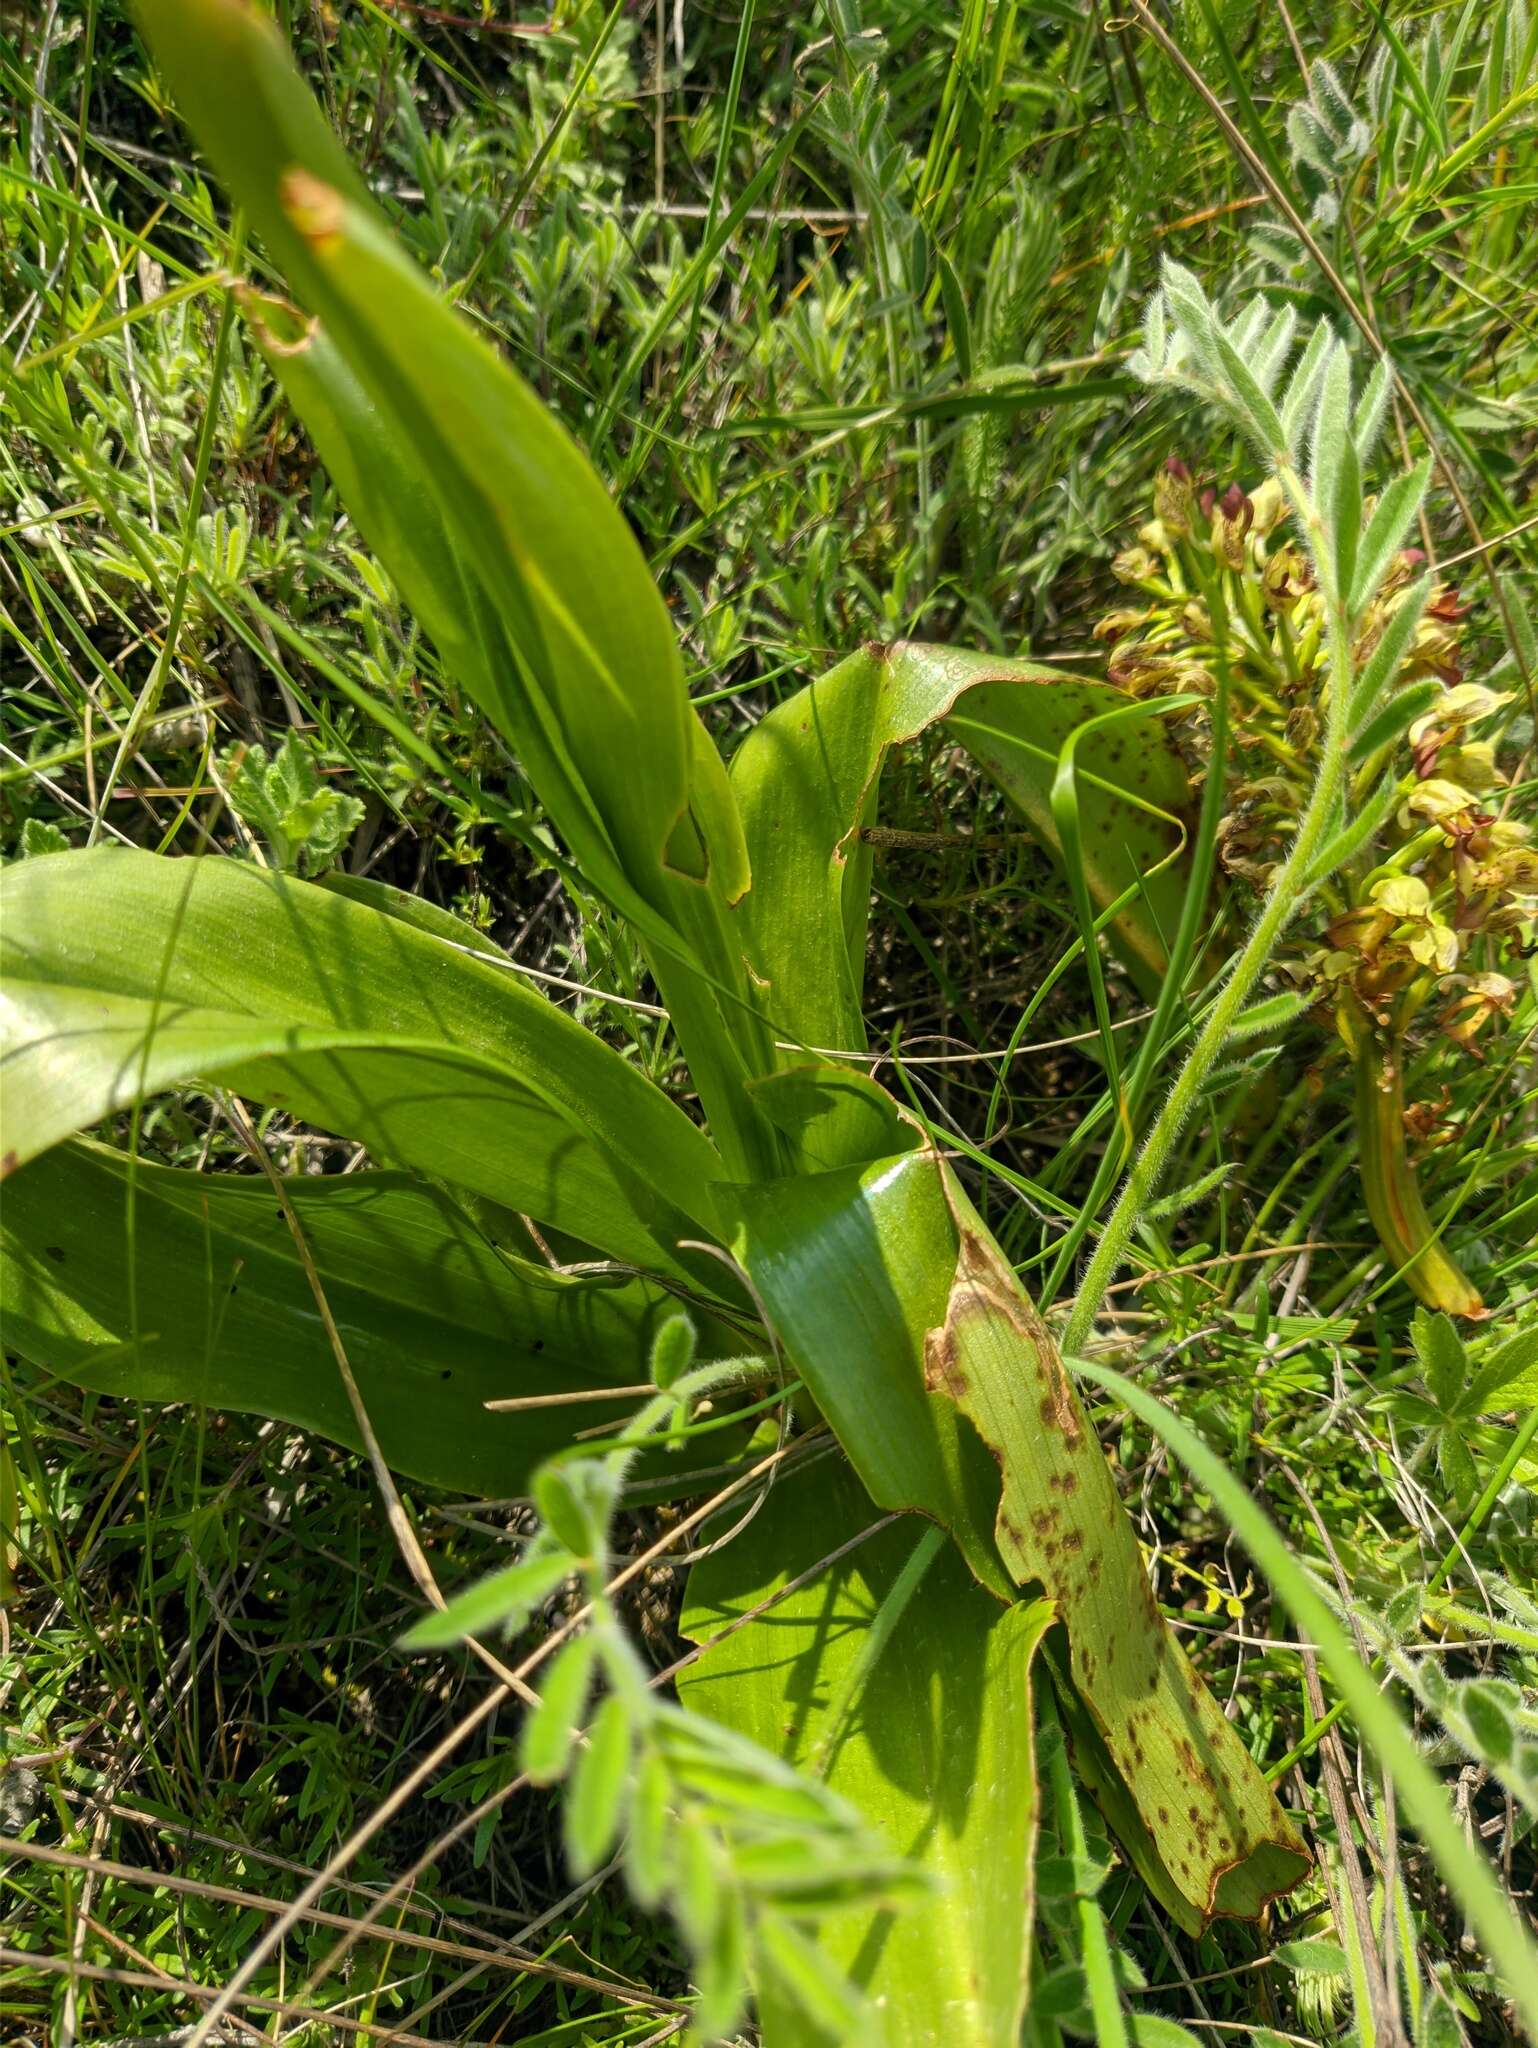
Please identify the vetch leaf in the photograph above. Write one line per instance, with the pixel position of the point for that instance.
(1382, 664)
(503, 1601)
(551, 1727)
(799, 1974)
(1386, 530)
(595, 1801)
(1273, 1014)
(575, 1500)
(1395, 717)
(646, 1844)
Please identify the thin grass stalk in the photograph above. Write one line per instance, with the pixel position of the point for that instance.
(1284, 899)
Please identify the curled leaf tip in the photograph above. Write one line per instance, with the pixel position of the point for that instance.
(279, 326)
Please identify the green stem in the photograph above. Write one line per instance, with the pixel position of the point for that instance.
(1183, 951)
(1283, 901)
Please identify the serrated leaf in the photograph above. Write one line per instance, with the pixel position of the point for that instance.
(1510, 1370)
(1444, 1362)
(1455, 1461)
(595, 1800)
(39, 837)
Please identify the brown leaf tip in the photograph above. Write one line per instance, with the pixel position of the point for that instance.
(314, 207)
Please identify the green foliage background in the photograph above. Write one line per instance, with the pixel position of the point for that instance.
(201, 1610)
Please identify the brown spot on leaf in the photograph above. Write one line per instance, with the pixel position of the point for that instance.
(314, 207)
(942, 1367)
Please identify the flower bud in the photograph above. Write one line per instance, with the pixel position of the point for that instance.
(1230, 523)
(1302, 728)
(1282, 580)
(1268, 506)
(1175, 498)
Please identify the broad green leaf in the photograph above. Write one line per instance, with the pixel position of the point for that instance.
(126, 973)
(927, 1357)
(807, 779)
(854, 1267)
(436, 1320)
(1136, 809)
(499, 530)
(598, 681)
(1221, 1835)
(933, 1748)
